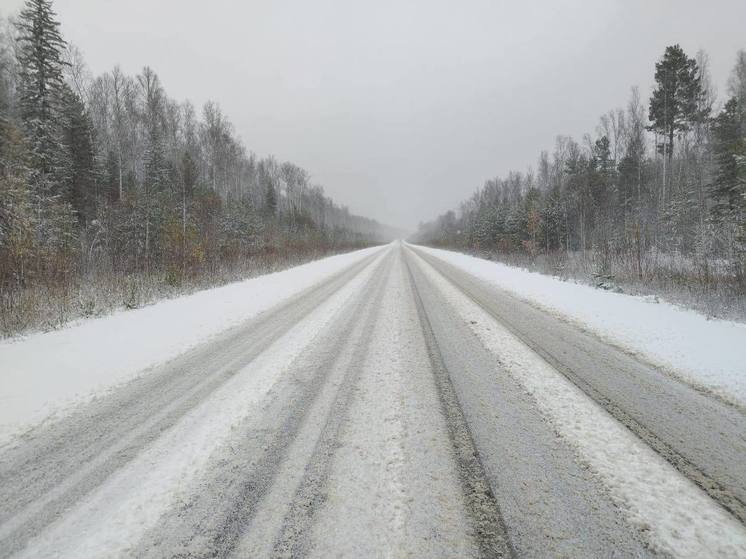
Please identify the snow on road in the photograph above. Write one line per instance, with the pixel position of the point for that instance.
(707, 353)
(120, 511)
(393, 481)
(681, 519)
(49, 373)
(386, 411)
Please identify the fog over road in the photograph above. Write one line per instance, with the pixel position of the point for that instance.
(400, 408)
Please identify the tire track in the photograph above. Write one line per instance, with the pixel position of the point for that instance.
(293, 538)
(687, 461)
(58, 465)
(489, 528)
(217, 514)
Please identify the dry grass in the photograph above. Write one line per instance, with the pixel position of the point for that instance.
(100, 292)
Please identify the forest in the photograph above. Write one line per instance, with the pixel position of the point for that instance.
(113, 194)
(654, 202)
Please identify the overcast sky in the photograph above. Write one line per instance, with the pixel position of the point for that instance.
(402, 108)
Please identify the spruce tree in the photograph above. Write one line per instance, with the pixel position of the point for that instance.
(5, 99)
(729, 189)
(270, 200)
(40, 94)
(40, 89)
(78, 139)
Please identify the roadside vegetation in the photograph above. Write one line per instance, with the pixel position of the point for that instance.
(653, 202)
(112, 194)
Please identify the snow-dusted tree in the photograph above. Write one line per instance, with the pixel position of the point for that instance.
(40, 101)
(40, 48)
(737, 81)
(7, 71)
(153, 117)
(78, 139)
(108, 174)
(631, 164)
(730, 147)
(676, 102)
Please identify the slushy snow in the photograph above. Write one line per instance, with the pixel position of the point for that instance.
(681, 519)
(709, 354)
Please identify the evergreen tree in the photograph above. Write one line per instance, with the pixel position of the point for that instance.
(40, 90)
(603, 170)
(40, 94)
(78, 139)
(737, 82)
(5, 100)
(630, 168)
(189, 174)
(676, 101)
(729, 189)
(111, 176)
(156, 166)
(270, 200)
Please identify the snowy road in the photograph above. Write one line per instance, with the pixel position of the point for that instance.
(399, 407)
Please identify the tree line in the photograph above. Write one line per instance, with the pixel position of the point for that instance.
(657, 194)
(107, 176)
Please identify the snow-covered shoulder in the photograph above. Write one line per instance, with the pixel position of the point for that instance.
(44, 375)
(709, 354)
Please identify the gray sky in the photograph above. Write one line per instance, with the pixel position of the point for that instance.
(402, 108)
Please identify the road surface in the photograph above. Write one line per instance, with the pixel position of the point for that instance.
(400, 409)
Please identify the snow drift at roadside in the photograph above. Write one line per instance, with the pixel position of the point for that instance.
(709, 354)
(45, 374)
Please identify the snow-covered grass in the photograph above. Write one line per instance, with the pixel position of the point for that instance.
(42, 306)
(44, 375)
(710, 354)
(708, 286)
(676, 516)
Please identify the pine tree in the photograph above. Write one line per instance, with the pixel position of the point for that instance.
(676, 101)
(603, 169)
